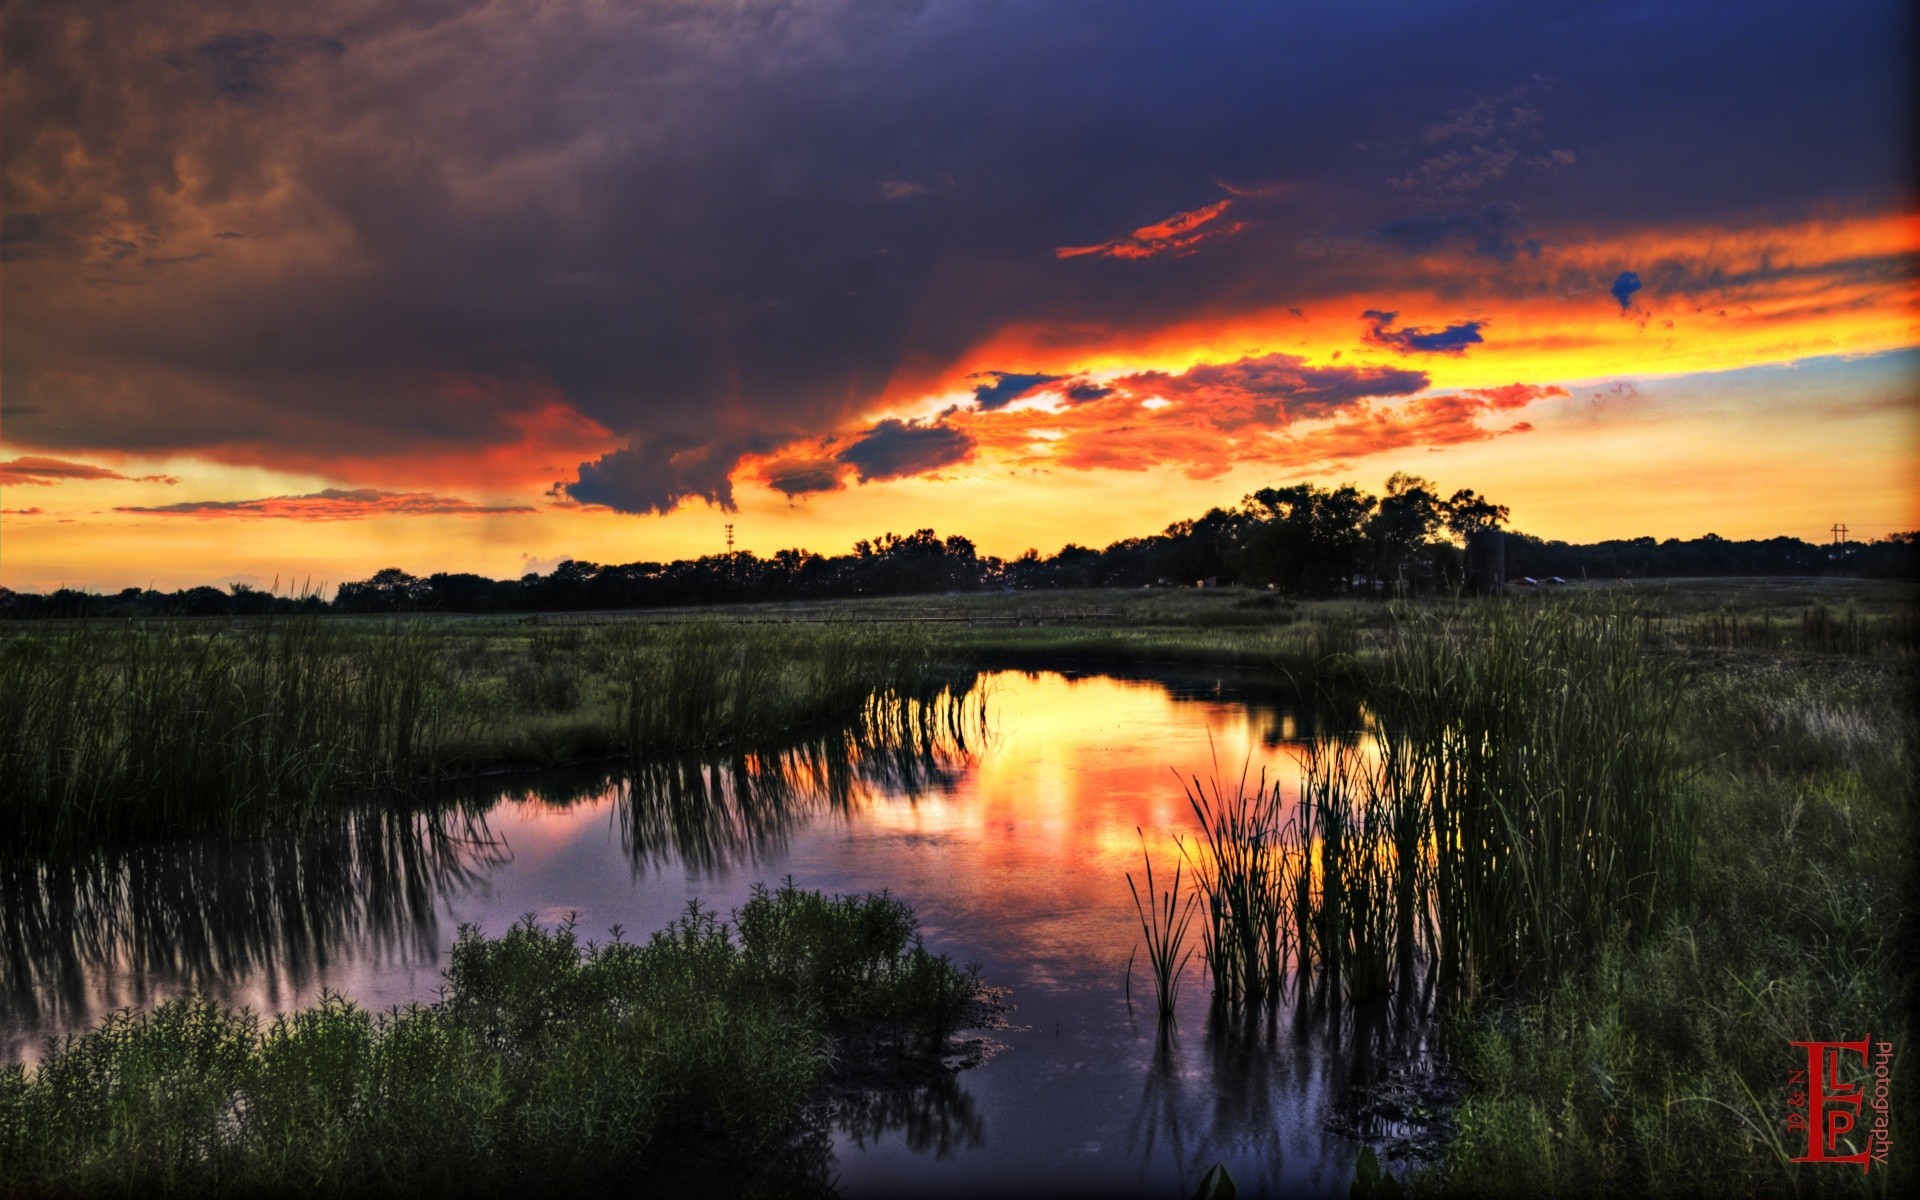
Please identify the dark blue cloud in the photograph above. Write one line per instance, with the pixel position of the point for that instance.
(1624, 287)
(1082, 393)
(1454, 339)
(1008, 386)
(655, 474)
(893, 449)
(1490, 231)
(800, 478)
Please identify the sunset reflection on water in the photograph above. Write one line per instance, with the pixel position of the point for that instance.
(1012, 843)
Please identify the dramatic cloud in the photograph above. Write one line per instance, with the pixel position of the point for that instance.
(1082, 393)
(45, 472)
(1447, 419)
(1454, 339)
(1272, 389)
(657, 474)
(802, 476)
(894, 449)
(1008, 386)
(447, 247)
(330, 504)
(1180, 232)
(1213, 416)
(1624, 287)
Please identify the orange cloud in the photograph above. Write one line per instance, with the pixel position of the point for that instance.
(1274, 409)
(330, 504)
(1714, 298)
(46, 472)
(1278, 411)
(1179, 232)
(502, 435)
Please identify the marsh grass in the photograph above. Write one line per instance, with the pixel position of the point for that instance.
(1165, 918)
(1664, 1065)
(1245, 871)
(546, 1063)
(164, 727)
(1519, 798)
(1817, 629)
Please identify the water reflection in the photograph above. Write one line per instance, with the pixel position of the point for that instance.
(268, 919)
(1012, 848)
(82, 937)
(710, 815)
(936, 1117)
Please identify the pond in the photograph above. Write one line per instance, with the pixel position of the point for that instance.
(1012, 844)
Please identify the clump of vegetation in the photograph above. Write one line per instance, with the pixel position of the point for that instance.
(546, 1063)
(1525, 800)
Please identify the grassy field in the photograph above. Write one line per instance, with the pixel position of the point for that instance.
(1675, 820)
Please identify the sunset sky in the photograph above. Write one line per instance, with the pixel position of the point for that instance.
(302, 291)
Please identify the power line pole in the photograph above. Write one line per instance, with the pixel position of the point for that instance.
(1839, 534)
(729, 551)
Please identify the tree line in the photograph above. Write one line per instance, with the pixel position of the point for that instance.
(1303, 540)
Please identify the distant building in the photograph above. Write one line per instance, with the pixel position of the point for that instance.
(1486, 561)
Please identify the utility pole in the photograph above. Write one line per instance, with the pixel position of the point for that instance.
(729, 551)
(1839, 534)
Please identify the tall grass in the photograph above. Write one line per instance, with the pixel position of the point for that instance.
(1558, 798)
(166, 725)
(1165, 918)
(703, 684)
(127, 730)
(546, 1064)
(1662, 1067)
(1520, 798)
(1244, 868)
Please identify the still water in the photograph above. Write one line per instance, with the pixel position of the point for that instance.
(1012, 849)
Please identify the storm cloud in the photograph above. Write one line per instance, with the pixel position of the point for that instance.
(446, 234)
(654, 474)
(894, 449)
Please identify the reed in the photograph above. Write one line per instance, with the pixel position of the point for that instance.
(1164, 920)
(546, 1064)
(1519, 798)
(1246, 866)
